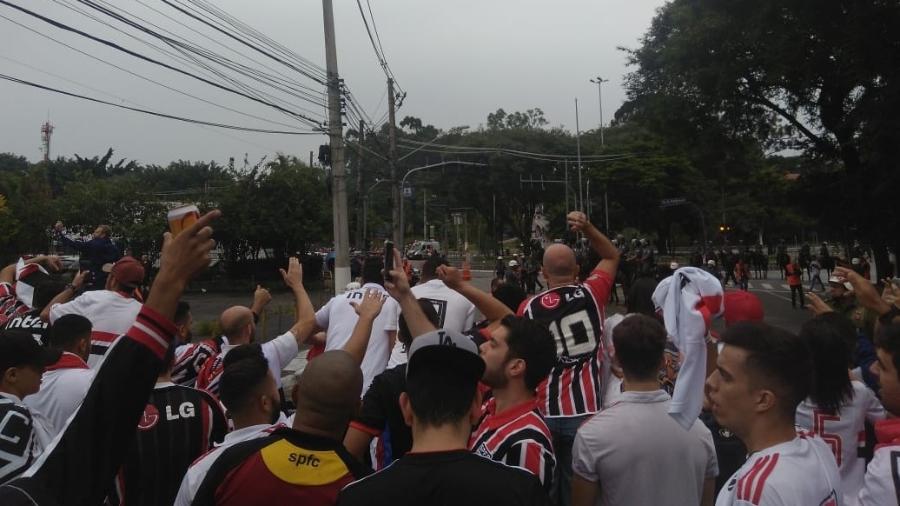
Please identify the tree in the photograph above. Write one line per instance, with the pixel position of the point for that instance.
(815, 76)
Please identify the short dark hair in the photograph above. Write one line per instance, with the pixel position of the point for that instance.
(532, 342)
(640, 296)
(244, 370)
(888, 339)
(403, 333)
(181, 312)
(510, 295)
(69, 329)
(777, 358)
(372, 270)
(640, 342)
(45, 291)
(831, 338)
(429, 268)
(438, 396)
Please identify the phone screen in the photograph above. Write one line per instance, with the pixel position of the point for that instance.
(388, 259)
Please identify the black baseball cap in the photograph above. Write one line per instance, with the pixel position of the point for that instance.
(445, 348)
(20, 349)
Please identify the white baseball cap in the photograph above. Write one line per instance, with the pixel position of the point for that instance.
(513, 263)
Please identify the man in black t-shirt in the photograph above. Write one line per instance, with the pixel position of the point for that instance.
(441, 403)
(380, 415)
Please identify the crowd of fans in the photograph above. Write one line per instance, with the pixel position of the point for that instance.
(106, 398)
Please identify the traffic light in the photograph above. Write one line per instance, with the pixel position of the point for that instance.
(325, 155)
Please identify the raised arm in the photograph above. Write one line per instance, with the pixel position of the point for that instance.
(490, 307)
(398, 287)
(64, 296)
(368, 309)
(261, 298)
(97, 437)
(601, 244)
(304, 326)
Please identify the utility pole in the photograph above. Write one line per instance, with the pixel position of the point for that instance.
(599, 80)
(360, 244)
(392, 160)
(578, 146)
(338, 173)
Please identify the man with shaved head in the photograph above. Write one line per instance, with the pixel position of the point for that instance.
(575, 312)
(304, 464)
(239, 327)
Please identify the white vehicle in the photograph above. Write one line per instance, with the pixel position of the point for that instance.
(419, 249)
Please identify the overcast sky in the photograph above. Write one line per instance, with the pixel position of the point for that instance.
(458, 61)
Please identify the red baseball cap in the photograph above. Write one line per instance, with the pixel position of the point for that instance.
(127, 270)
(741, 306)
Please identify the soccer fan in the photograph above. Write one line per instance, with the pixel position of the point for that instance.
(25, 289)
(189, 356)
(838, 408)
(81, 463)
(111, 311)
(338, 318)
(380, 415)
(762, 374)
(239, 327)
(305, 464)
(441, 402)
(98, 252)
(575, 314)
(65, 382)
(636, 439)
(882, 480)
(248, 392)
(22, 361)
(518, 357)
(178, 425)
(454, 311)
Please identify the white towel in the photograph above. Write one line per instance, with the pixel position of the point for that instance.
(689, 300)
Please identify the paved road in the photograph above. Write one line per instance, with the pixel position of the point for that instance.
(773, 292)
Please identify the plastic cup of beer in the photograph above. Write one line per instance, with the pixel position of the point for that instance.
(182, 217)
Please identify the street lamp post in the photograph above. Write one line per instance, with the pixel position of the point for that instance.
(418, 169)
(599, 80)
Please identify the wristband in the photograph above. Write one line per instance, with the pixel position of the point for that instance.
(888, 317)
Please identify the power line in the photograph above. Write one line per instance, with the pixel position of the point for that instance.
(101, 60)
(151, 60)
(153, 113)
(379, 53)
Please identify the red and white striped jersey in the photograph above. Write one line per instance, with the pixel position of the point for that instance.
(882, 483)
(10, 305)
(845, 433)
(800, 471)
(517, 437)
(189, 360)
(575, 315)
(111, 315)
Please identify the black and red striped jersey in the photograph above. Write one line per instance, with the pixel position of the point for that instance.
(179, 424)
(575, 315)
(209, 375)
(285, 467)
(10, 305)
(517, 437)
(189, 360)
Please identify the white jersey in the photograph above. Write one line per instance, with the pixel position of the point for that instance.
(845, 433)
(454, 311)
(882, 483)
(111, 315)
(612, 384)
(63, 387)
(339, 318)
(197, 472)
(799, 472)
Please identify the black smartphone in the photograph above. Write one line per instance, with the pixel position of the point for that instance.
(388, 260)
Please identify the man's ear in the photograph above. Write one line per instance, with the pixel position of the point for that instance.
(516, 367)
(765, 400)
(406, 409)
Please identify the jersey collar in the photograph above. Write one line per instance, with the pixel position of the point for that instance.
(68, 361)
(495, 420)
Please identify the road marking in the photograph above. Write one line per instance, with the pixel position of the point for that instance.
(786, 287)
(767, 286)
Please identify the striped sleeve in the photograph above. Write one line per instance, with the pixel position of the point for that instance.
(533, 457)
(153, 331)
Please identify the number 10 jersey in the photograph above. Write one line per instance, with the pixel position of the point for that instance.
(575, 315)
